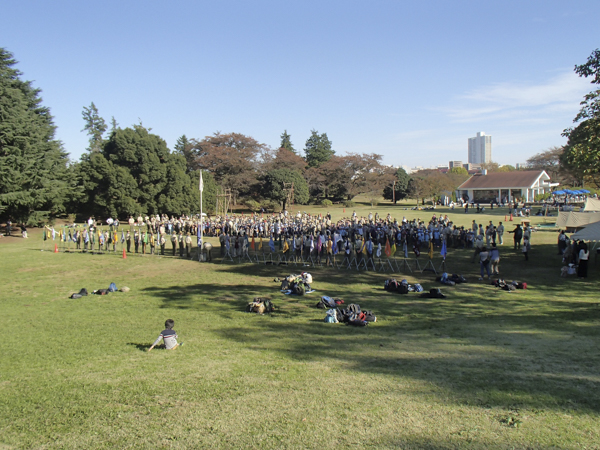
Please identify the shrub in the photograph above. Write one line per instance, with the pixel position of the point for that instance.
(252, 204)
(349, 204)
(271, 205)
(326, 202)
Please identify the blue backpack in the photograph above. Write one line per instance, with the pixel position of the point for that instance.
(112, 287)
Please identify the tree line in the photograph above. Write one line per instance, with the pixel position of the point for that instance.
(132, 171)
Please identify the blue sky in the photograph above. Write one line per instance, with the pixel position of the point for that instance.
(411, 81)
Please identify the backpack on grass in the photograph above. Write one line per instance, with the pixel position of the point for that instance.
(260, 306)
(403, 287)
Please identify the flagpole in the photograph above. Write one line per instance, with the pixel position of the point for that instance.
(201, 230)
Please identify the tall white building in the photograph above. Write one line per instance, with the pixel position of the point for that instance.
(480, 149)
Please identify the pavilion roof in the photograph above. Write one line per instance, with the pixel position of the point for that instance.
(504, 180)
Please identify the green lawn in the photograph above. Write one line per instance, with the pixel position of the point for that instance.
(481, 369)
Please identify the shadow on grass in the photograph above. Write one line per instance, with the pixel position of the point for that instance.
(482, 345)
(145, 347)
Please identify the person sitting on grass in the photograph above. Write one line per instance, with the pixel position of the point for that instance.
(168, 335)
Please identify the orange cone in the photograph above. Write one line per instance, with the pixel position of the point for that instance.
(55, 248)
(344, 209)
(511, 217)
(124, 254)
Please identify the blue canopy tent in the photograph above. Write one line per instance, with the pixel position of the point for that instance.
(558, 193)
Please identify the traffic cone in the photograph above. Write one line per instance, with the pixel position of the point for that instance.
(511, 217)
(124, 254)
(55, 248)
(344, 209)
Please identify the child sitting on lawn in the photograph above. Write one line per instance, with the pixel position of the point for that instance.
(168, 335)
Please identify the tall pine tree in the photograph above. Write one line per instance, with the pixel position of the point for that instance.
(32, 163)
(95, 127)
(318, 149)
(286, 142)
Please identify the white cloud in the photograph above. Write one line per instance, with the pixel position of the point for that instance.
(516, 101)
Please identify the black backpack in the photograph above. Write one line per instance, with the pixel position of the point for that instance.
(403, 288)
(369, 316)
(83, 292)
(390, 284)
(298, 288)
(433, 293)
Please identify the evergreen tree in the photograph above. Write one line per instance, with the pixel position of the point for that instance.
(113, 124)
(33, 165)
(581, 156)
(318, 149)
(95, 127)
(135, 173)
(183, 147)
(277, 181)
(402, 181)
(286, 142)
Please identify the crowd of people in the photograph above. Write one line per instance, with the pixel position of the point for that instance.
(296, 236)
(301, 236)
(574, 253)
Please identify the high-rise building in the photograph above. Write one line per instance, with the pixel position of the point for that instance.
(480, 149)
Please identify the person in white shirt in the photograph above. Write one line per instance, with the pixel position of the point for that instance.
(584, 255)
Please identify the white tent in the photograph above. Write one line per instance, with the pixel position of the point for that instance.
(572, 219)
(591, 204)
(590, 233)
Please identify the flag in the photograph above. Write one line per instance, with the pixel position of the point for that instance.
(122, 237)
(319, 244)
(444, 250)
(201, 186)
(379, 250)
(405, 248)
(430, 254)
(388, 248)
(286, 247)
(260, 244)
(312, 244)
(336, 238)
(252, 243)
(393, 249)
(272, 244)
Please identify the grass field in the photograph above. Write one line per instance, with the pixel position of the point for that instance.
(482, 368)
